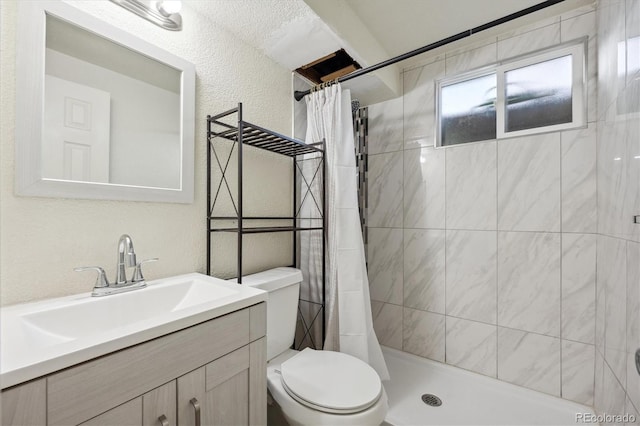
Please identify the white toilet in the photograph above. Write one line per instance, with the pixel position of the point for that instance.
(313, 387)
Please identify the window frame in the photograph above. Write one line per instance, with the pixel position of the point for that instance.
(578, 51)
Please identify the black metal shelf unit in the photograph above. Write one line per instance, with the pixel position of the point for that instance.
(231, 126)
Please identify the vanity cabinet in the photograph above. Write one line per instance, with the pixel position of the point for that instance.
(213, 373)
(157, 407)
(25, 404)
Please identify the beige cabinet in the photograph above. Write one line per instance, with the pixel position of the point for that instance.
(214, 372)
(25, 404)
(228, 391)
(127, 414)
(154, 408)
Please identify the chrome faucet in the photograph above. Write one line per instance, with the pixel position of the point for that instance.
(126, 259)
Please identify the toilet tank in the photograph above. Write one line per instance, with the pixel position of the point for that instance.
(283, 286)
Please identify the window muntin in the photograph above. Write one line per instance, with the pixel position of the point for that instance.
(539, 93)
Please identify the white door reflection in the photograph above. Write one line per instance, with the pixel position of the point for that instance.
(77, 132)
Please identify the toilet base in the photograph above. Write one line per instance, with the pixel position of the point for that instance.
(275, 417)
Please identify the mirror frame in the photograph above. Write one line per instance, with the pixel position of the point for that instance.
(30, 73)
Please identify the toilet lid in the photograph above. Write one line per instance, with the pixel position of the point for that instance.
(332, 382)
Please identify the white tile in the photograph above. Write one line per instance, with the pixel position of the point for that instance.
(387, 323)
(470, 45)
(631, 231)
(385, 248)
(578, 365)
(419, 104)
(481, 56)
(613, 395)
(424, 269)
(611, 31)
(611, 272)
(633, 320)
(619, 177)
(523, 29)
(579, 287)
(385, 126)
(574, 28)
(632, 30)
(598, 384)
(424, 188)
(529, 360)
(579, 185)
(600, 307)
(471, 186)
(529, 41)
(424, 334)
(529, 281)
(631, 410)
(385, 190)
(472, 275)
(529, 183)
(579, 11)
(472, 345)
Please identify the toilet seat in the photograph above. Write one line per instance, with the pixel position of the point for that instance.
(331, 382)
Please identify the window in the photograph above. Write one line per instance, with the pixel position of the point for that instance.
(535, 94)
(468, 110)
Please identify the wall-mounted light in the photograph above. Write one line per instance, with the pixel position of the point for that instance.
(164, 13)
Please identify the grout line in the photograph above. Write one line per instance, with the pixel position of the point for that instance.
(445, 249)
(403, 146)
(497, 248)
(561, 316)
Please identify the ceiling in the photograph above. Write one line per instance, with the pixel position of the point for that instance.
(404, 25)
(297, 32)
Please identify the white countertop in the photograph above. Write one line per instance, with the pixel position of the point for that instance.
(80, 327)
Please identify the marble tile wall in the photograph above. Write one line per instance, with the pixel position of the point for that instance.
(483, 256)
(617, 385)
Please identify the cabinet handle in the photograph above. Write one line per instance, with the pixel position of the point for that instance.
(163, 420)
(196, 407)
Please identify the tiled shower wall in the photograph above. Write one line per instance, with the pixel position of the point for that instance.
(483, 256)
(618, 256)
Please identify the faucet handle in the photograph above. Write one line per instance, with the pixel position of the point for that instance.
(101, 280)
(137, 274)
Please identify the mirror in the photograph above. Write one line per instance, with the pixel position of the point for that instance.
(100, 113)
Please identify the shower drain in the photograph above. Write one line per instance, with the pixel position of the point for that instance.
(431, 400)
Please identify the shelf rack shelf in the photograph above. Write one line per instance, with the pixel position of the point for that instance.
(231, 127)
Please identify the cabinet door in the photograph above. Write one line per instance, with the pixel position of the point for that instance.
(25, 404)
(159, 406)
(218, 393)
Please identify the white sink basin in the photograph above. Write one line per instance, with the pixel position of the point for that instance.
(41, 337)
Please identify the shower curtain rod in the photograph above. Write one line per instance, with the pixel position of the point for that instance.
(299, 94)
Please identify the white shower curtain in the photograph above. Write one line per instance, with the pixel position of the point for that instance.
(349, 322)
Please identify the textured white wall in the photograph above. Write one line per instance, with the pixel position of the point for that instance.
(42, 239)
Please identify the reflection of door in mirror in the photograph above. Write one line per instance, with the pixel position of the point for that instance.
(143, 146)
(76, 132)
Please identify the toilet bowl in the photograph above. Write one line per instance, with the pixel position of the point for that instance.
(313, 387)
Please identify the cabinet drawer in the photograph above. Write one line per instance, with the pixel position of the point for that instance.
(84, 391)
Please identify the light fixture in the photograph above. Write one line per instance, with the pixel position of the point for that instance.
(165, 14)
